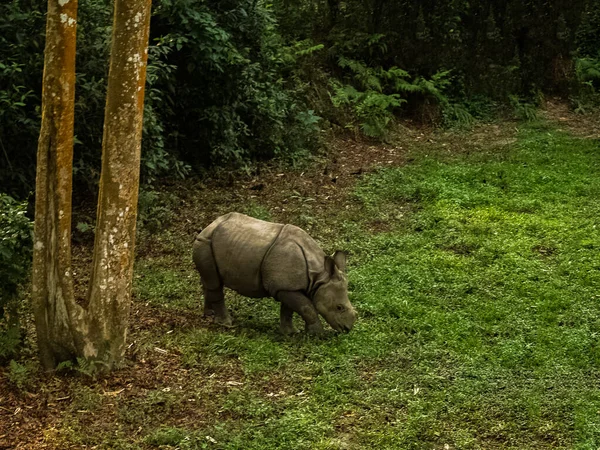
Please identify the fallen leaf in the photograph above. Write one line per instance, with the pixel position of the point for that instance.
(109, 393)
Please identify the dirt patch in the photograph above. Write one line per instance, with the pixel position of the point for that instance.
(155, 383)
(559, 112)
(379, 226)
(544, 251)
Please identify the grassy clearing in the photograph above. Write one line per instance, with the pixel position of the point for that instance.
(477, 279)
(492, 284)
(479, 316)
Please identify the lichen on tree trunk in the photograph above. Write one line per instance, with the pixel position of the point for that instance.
(58, 318)
(65, 330)
(112, 271)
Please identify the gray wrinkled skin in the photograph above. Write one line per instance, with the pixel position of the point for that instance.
(263, 259)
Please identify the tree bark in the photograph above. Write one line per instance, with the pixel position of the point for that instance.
(334, 8)
(112, 271)
(65, 330)
(57, 316)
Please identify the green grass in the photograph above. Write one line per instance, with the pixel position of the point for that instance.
(479, 312)
(160, 283)
(493, 285)
(479, 319)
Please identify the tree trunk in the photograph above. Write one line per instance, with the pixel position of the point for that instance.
(65, 330)
(112, 271)
(334, 8)
(58, 318)
(378, 6)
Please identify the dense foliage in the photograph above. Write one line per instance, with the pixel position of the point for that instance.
(224, 98)
(233, 80)
(21, 61)
(215, 88)
(587, 67)
(15, 260)
(502, 52)
(498, 47)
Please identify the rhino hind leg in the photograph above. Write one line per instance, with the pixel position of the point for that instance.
(214, 299)
(297, 302)
(214, 304)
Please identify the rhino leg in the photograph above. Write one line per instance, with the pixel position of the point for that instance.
(286, 326)
(297, 302)
(214, 303)
(214, 300)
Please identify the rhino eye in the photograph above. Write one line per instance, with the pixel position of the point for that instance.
(340, 308)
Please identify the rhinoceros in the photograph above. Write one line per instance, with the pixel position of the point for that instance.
(263, 259)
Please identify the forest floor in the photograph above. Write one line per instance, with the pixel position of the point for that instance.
(474, 264)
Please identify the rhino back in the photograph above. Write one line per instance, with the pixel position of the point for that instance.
(239, 245)
(293, 263)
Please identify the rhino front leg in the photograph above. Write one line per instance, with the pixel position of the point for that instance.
(286, 326)
(295, 301)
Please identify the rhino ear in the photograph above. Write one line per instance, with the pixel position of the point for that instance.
(330, 266)
(340, 260)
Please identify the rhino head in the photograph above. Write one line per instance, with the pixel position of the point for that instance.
(331, 297)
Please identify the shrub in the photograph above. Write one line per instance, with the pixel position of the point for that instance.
(587, 74)
(371, 95)
(15, 261)
(226, 99)
(215, 89)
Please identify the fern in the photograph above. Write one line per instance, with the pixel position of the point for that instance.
(588, 69)
(19, 374)
(523, 110)
(90, 367)
(305, 48)
(373, 94)
(457, 115)
(366, 76)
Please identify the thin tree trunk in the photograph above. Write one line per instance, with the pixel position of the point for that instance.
(334, 8)
(57, 316)
(66, 330)
(112, 271)
(377, 10)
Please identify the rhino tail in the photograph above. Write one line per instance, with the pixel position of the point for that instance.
(196, 235)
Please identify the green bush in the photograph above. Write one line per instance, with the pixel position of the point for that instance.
(15, 261)
(15, 244)
(215, 89)
(587, 78)
(226, 99)
(21, 61)
(372, 95)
